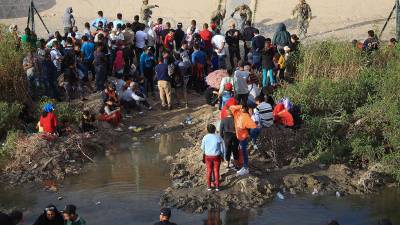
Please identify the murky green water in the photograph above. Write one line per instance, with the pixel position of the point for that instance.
(124, 188)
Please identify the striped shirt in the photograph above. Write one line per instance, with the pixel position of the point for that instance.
(264, 111)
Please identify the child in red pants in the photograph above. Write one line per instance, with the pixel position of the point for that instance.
(213, 149)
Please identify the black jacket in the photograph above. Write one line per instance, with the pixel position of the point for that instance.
(258, 43)
(42, 220)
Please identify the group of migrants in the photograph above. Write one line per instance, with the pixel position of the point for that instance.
(128, 62)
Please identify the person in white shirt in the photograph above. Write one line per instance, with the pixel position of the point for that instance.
(140, 44)
(190, 32)
(56, 56)
(133, 97)
(218, 42)
(151, 35)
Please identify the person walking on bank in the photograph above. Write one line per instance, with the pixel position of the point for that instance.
(146, 11)
(165, 216)
(68, 21)
(245, 15)
(303, 13)
(233, 38)
(213, 149)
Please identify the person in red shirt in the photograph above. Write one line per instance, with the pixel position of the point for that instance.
(48, 120)
(282, 116)
(206, 37)
(169, 41)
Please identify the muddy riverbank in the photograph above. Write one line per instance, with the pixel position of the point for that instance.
(275, 167)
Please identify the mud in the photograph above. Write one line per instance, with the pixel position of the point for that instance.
(274, 167)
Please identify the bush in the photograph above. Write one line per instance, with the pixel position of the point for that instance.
(10, 142)
(9, 114)
(64, 111)
(351, 108)
(13, 82)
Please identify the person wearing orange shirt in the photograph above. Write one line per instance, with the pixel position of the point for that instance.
(243, 123)
(282, 116)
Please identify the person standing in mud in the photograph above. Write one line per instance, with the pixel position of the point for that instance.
(303, 13)
(213, 148)
(146, 11)
(245, 15)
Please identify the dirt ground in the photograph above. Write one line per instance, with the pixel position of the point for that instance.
(339, 19)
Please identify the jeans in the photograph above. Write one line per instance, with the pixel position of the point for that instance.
(149, 80)
(267, 75)
(222, 62)
(234, 52)
(254, 133)
(101, 72)
(242, 98)
(243, 147)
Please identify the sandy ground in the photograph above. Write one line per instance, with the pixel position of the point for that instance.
(343, 19)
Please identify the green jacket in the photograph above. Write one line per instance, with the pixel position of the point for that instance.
(78, 221)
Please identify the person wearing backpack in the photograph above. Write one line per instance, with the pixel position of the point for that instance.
(303, 13)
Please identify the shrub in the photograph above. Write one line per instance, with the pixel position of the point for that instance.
(9, 114)
(10, 142)
(13, 82)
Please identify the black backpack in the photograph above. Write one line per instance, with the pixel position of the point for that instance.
(296, 113)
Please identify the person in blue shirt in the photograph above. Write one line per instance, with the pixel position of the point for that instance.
(199, 62)
(147, 64)
(87, 50)
(213, 150)
(101, 19)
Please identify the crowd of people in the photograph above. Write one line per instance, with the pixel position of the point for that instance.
(128, 62)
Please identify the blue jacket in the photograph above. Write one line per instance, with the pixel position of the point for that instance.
(162, 72)
(88, 51)
(146, 61)
(199, 56)
(213, 145)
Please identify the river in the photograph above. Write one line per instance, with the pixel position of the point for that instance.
(124, 187)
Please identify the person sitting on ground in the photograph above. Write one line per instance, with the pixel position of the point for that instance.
(228, 134)
(264, 111)
(111, 114)
(371, 43)
(282, 116)
(14, 218)
(48, 120)
(87, 120)
(110, 94)
(165, 216)
(243, 123)
(50, 216)
(133, 97)
(70, 216)
(213, 149)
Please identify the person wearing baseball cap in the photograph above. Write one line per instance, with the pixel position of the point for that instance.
(165, 215)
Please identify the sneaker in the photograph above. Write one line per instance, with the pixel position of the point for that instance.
(119, 129)
(255, 147)
(243, 172)
(150, 108)
(141, 113)
(209, 189)
(217, 190)
(132, 127)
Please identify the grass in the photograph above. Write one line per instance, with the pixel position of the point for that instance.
(350, 103)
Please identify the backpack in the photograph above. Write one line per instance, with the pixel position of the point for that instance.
(295, 110)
